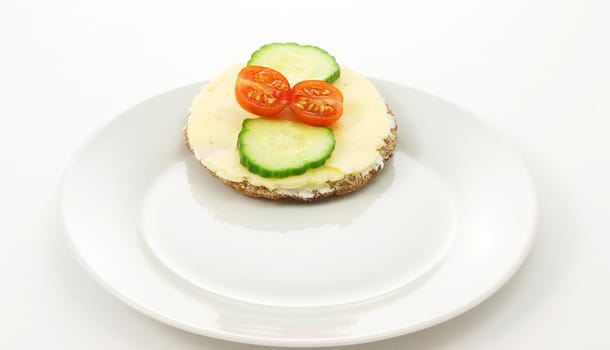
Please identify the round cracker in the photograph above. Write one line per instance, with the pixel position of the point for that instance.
(350, 183)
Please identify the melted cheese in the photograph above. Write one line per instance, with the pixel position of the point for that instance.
(215, 120)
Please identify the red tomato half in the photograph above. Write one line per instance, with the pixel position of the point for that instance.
(261, 90)
(316, 102)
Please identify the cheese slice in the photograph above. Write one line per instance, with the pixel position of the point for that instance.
(215, 119)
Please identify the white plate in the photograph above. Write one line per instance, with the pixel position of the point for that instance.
(445, 225)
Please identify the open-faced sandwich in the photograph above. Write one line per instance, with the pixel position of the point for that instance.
(291, 123)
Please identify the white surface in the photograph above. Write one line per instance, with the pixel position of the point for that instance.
(536, 71)
(454, 210)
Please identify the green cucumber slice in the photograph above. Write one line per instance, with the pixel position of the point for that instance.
(281, 148)
(297, 62)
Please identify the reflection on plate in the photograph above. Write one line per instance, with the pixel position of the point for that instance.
(330, 252)
(444, 226)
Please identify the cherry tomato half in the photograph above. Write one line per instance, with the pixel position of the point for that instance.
(316, 102)
(261, 90)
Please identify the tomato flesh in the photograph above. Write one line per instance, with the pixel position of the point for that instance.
(262, 90)
(316, 102)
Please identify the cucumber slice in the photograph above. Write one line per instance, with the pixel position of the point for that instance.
(297, 62)
(280, 148)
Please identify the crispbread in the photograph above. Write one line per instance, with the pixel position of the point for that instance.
(348, 184)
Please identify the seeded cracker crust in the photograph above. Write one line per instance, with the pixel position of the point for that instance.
(348, 184)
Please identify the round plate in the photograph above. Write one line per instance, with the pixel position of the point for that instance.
(444, 225)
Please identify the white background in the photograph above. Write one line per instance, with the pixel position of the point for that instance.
(536, 71)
